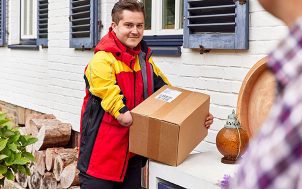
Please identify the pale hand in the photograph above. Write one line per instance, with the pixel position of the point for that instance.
(125, 119)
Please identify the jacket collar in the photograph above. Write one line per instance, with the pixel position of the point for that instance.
(110, 43)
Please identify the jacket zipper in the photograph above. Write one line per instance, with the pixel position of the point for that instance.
(134, 76)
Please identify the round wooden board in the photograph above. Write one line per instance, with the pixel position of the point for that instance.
(256, 97)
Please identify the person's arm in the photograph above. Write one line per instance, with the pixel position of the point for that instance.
(273, 159)
(100, 74)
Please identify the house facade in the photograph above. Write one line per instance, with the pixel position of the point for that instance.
(46, 44)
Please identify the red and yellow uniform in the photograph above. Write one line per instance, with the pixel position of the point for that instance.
(117, 79)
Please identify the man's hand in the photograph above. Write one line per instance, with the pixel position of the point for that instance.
(125, 119)
(209, 121)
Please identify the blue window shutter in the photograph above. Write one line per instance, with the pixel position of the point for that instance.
(42, 34)
(2, 22)
(83, 23)
(216, 24)
(165, 45)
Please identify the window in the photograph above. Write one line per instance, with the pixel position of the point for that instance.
(216, 24)
(83, 23)
(163, 17)
(42, 35)
(30, 27)
(2, 22)
(164, 26)
(28, 19)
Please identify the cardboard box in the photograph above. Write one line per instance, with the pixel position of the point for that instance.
(168, 125)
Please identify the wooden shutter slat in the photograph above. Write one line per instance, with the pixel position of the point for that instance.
(82, 32)
(81, 7)
(209, 2)
(215, 18)
(80, 13)
(79, 20)
(217, 27)
(80, 2)
(212, 10)
(42, 20)
(83, 25)
(44, 14)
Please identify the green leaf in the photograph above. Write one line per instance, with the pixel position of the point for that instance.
(14, 138)
(28, 156)
(8, 133)
(2, 156)
(22, 140)
(4, 122)
(21, 169)
(21, 161)
(6, 151)
(30, 140)
(3, 143)
(9, 175)
(13, 147)
(8, 124)
(3, 169)
(10, 160)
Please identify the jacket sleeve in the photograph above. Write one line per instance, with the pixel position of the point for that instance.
(159, 79)
(100, 74)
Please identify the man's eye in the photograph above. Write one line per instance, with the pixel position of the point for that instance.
(128, 25)
(140, 26)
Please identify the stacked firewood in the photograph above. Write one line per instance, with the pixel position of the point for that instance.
(55, 165)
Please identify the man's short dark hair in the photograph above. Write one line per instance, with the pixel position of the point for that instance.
(121, 5)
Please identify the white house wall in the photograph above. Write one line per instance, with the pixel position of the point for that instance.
(50, 80)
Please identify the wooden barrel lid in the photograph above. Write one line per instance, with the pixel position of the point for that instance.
(256, 97)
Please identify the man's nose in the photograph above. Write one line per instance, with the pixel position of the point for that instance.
(134, 30)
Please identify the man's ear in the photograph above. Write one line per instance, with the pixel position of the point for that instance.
(113, 25)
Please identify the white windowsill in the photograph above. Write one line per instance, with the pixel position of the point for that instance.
(200, 170)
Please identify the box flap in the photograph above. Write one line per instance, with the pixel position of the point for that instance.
(180, 108)
(150, 105)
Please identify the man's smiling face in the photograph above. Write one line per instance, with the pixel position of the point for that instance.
(130, 29)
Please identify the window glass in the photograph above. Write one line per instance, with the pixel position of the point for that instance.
(28, 19)
(181, 14)
(168, 12)
(25, 17)
(148, 9)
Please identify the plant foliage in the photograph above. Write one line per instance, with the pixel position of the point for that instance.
(13, 155)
